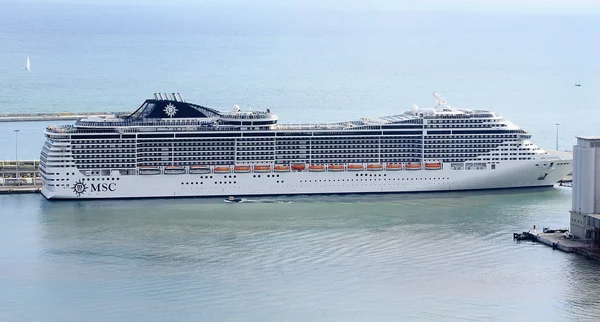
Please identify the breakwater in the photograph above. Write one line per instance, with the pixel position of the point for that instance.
(52, 116)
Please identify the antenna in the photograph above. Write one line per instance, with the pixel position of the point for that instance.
(438, 98)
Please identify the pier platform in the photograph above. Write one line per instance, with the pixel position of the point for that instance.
(568, 245)
(558, 241)
(52, 116)
(27, 188)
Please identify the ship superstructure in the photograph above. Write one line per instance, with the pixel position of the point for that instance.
(171, 148)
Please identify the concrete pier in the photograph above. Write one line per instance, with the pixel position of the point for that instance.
(27, 188)
(52, 116)
(558, 241)
(569, 245)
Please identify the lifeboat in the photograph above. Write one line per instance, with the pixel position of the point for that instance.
(199, 169)
(355, 167)
(433, 165)
(241, 168)
(316, 168)
(374, 167)
(413, 166)
(222, 169)
(394, 166)
(299, 166)
(174, 170)
(262, 168)
(149, 170)
(282, 168)
(335, 168)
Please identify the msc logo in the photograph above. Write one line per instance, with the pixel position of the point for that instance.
(80, 188)
(103, 187)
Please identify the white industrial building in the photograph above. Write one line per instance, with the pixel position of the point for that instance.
(585, 212)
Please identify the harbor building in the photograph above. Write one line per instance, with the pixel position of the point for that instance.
(17, 173)
(585, 212)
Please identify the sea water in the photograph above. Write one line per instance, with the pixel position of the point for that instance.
(427, 257)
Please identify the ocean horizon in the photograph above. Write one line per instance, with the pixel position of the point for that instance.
(338, 65)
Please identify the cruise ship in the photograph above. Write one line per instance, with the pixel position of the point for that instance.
(171, 148)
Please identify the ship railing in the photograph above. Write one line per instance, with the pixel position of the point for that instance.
(327, 127)
(253, 115)
(142, 129)
(59, 129)
(310, 127)
(82, 123)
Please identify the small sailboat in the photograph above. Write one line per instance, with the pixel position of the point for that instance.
(27, 64)
(578, 85)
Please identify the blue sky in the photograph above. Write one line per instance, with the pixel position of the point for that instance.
(584, 6)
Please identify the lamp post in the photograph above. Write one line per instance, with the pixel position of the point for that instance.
(557, 124)
(17, 156)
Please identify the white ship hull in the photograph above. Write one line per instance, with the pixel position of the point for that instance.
(166, 147)
(510, 174)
